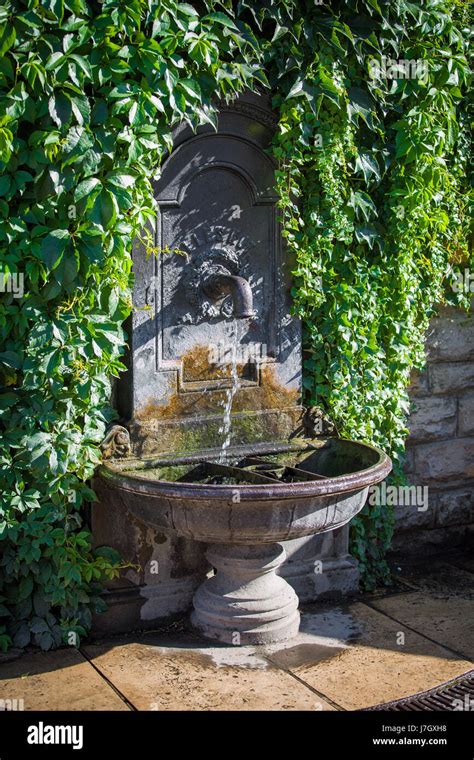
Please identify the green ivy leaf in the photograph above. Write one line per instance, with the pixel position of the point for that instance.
(360, 105)
(363, 205)
(221, 18)
(60, 109)
(22, 637)
(25, 587)
(366, 234)
(7, 37)
(368, 165)
(105, 209)
(86, 187)
(53, 247)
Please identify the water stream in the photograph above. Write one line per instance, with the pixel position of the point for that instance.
(226, 428)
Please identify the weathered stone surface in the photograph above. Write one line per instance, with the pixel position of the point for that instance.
(409, 466)
(440, 617)
(184, 323)
(431, 541)
(419, 384)
(163, 574)
(466, 414)
(433, 418)
(445, 460)
(439, 578)
(319, 567)
(379, 661)
(450, 378)
(343, 657)
(455, 508)
(245, 602)
(61, 680)
(440, 445)
(409, 517)
(451, 336)
(179, 673)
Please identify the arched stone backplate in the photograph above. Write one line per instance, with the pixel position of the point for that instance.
(217, 208)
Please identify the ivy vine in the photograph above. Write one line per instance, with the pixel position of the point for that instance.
(374, 153)
(90, 93)
(373, 200)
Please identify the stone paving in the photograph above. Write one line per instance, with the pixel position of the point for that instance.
(373, 649)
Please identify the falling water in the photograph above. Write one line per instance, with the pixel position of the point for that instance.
(226, 427)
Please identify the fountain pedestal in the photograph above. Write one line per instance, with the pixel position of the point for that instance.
(246, 602)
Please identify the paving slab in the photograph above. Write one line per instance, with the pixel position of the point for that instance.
(466, 562)
(376, 660)
(443, 579)
(60, 680)
(185, 673)
(446, 620)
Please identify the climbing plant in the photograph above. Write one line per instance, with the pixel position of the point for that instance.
(370, 175)
(89, 95)
(373, 158)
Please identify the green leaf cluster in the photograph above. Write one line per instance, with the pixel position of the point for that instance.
(89, 95)
(373, 181)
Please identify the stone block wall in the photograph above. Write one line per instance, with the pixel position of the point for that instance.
(440, 450)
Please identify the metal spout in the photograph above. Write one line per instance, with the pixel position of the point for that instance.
(218, 285)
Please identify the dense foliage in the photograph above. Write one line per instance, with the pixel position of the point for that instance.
(370, 175)
(374, 153)
(90, 93)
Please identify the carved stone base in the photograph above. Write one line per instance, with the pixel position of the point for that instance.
(246, 602)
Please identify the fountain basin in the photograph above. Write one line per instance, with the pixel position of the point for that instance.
(243, 507)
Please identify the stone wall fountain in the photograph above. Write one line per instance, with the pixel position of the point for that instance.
(215, 475)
